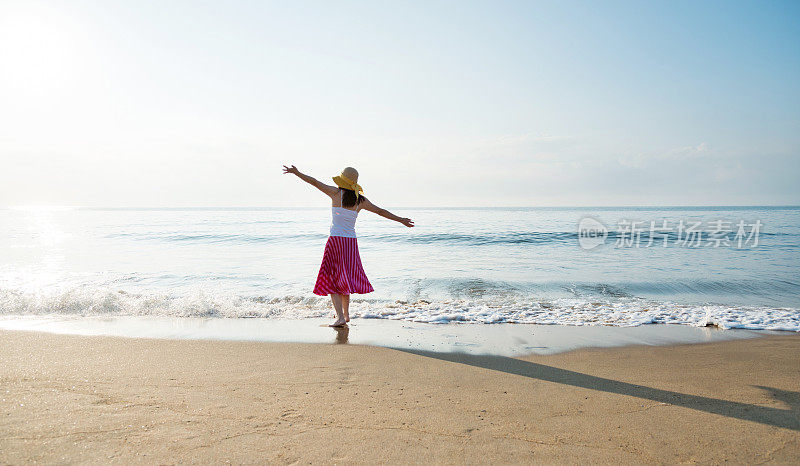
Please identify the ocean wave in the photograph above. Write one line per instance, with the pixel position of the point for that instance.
(772, 291)
(756, 291)
(614, 311)
(215, 237)
(644, 239)
(480, 239)
(786, 290)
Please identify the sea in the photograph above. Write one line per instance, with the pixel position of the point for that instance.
(723, 267)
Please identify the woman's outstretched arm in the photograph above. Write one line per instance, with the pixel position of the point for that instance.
(367, 205)
(327, 189)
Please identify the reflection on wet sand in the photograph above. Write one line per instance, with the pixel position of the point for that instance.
(496, 339)
(342, 334)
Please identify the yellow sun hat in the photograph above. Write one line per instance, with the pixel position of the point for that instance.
(348, 180)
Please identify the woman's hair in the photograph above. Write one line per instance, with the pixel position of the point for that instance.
(349, 198)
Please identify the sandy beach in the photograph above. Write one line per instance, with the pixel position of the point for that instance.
(101, 399)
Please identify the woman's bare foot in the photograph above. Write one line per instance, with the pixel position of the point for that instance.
(339, 323)
(347, 316)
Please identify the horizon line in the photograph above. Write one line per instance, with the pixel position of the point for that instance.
(46, 207)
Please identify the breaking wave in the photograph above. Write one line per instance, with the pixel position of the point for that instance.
(616, 309)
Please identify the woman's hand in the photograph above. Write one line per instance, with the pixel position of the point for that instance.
(407, 222)
(293, 170)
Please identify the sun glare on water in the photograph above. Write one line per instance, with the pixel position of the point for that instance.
(43, 208)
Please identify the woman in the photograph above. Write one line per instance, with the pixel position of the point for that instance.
(341, 273)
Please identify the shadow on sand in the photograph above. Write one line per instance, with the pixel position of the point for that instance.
(784, 418)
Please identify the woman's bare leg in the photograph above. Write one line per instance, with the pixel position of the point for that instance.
(337, 304)
(346, 307)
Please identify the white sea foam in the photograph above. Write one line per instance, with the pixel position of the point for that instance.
(624, 312)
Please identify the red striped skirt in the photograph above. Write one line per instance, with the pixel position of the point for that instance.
(341, 271)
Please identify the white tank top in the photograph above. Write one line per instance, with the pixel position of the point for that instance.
(344, 222)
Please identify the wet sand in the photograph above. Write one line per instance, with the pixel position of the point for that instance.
(499, 339)
(68, 398)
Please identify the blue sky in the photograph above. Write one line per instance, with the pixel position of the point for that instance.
(436, 103)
